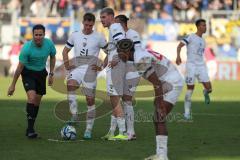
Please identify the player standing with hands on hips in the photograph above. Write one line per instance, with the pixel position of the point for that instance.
(32, 68)
(195, 65)
(87, 44)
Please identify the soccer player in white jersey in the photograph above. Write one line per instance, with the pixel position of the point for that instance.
(115, 75)
(167, 83)
(131, 78)
(195, 65)
(87, 44)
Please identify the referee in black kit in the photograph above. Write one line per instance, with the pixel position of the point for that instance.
(32, 67)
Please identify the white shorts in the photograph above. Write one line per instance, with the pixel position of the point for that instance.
(85, 77)
(199, 72)
(131, 80)
(172, 96)
(172, 87)
(115, 79)
(172, 82)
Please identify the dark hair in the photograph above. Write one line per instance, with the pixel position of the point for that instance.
(122, 18)
(197, 23)
(132, 49)
(89, 17)
(38, 26)
(107, 10)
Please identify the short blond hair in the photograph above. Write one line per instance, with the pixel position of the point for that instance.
(107, 10)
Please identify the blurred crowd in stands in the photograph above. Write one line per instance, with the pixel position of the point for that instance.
(176, 10)
(187, 10)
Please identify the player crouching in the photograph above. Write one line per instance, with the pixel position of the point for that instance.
(167, 83)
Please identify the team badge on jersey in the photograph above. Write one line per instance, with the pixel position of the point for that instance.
(85, 42)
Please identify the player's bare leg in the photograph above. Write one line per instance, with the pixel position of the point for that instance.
(206, 91)
(38, 99)
(161, 111)
(72, 86)
(188, 102)
(129, 116)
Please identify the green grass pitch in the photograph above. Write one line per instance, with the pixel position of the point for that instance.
(214, 133)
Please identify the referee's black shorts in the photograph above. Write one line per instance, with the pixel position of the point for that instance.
(34, 80)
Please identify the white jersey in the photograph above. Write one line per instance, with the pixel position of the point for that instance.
(148, 61)
(86, 45)
(132, 77)
(195, 49)
(116, 33)
(135, 37)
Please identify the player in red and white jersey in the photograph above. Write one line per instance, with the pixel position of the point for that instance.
(167, 83)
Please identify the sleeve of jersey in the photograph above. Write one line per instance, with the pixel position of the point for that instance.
(186, 40)
(136, 40)
(102, 41)
(53, 49)
(117, 32)
(144, 67)
(69, 43)
(23, 57)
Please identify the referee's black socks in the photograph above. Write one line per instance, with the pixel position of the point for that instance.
(32, 112)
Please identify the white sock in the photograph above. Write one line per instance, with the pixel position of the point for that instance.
(187, 103)
(91, 112)
(73, 106)
(113, 124)
(121, 125)
(129, 116)
(161, 148)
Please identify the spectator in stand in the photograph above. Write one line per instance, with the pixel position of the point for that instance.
(138, 13)
(149, 6)
(90, 6)
(204, 5)
(15, 5)
(215, 5)
(168, 7)
(62, 7)
(38, 9)
(127, 7)
(156, 12)
(228, 5)
(53, 4)
(180, 9)
(164, 15)
(13, 55)
(192, 13)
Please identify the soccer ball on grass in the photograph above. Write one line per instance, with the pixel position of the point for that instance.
(68, 132)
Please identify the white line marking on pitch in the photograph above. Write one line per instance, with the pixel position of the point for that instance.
(65, 141)
(220, 115)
